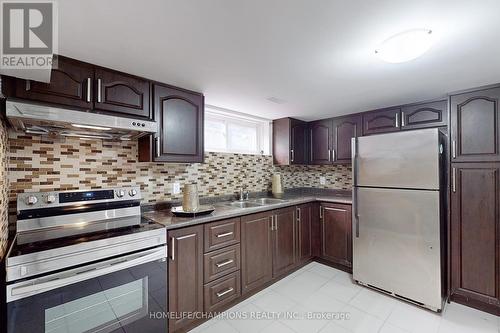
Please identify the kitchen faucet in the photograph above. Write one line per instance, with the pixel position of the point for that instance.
(243, 194)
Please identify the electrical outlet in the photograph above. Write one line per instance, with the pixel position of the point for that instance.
(322, 180)
(176, 188)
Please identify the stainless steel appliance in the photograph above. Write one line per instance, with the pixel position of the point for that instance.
(53, 121)
(397, 227)
(86, 261)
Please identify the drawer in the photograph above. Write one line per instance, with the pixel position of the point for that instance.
(222, 291)
(221, 234)
(221, 262)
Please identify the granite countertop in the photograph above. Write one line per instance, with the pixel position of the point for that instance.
(165, 216)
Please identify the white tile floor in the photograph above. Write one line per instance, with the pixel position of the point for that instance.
(319, 288)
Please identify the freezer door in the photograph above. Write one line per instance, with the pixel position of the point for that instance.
(396, 242)
(398, 160)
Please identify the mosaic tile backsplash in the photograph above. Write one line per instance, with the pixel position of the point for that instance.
(4, 189)
(42, 164)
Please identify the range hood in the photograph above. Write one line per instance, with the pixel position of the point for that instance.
(54, 122)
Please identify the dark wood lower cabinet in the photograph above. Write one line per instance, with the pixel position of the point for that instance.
(475, 235)
(335, 231)
(185, 274)
(256, 251)
(304, 232)
(284, 241)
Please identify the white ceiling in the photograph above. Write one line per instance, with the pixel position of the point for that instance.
(316, 55)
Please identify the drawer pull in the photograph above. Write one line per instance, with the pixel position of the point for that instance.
(224, 234)
(222, 293)
(224, 263)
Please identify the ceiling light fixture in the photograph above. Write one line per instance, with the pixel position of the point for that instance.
(91, 127)
(405, 46)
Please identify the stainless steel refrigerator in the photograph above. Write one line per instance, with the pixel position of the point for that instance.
(397, 209)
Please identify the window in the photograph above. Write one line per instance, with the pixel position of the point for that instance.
(233, 132)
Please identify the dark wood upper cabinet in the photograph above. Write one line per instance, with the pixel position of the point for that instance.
(475, 126)
(256, 251)
(284, 241)
(344, 129)
(475, 235)
(424, 115)
(381, 121)
(304, 232)
(336, 239)
(320, 133)
(179, 114)
(289, 141)
(71, 83)
(185, 275)
(122, 93)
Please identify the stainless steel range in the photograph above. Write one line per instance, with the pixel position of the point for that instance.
(85, 261)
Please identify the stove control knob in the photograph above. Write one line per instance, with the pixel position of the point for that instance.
(50, 198)
(120, 193)
(132, 192)
(31, 200)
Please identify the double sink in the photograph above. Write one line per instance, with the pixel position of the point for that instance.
(253, 202)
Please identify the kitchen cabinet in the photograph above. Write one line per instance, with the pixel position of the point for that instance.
(284, 240)
(304, 232)
(320, 133)
(179, 114)
(121, 93)
(95, 89)
(71, 83)
(344, 129)
(424, 115)
(256, 251)
(475, 235)
(382, 121)
(221, 292)
(289, 141)
(185, 275)
(475, 126)
(336, 235)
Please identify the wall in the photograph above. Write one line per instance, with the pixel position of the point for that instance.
(4, 186)
(43, 164)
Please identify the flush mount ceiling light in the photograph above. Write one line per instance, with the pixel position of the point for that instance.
(405, 46)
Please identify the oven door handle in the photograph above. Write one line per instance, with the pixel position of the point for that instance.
(36, 286)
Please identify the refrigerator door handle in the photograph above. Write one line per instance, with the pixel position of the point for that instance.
(355, 216)
(354, 143)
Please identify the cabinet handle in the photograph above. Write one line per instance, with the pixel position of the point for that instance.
(225, 292)
(397, 119)
(454, 149)
(89, 87)
(157, 140)
(224, 234)
(454, 180)
(224, 263)
(333, 155)
(272, 222)
(275, 222)
(293, 157)
(99, 94)
(298, 214)
(28, 85)
(402, 119)
(172, 256)
(320, 212)
(329, 155)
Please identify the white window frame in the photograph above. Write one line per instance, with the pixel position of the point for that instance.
(262, 125)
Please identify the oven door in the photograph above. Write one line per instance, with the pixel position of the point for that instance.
(124, 294)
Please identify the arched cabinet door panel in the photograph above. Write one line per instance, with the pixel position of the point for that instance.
(121, 93)
(382, 121)
(344, 129)
(179, 115)
(426, 115)
(320, 142)
(70, 84)
(475, 126)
